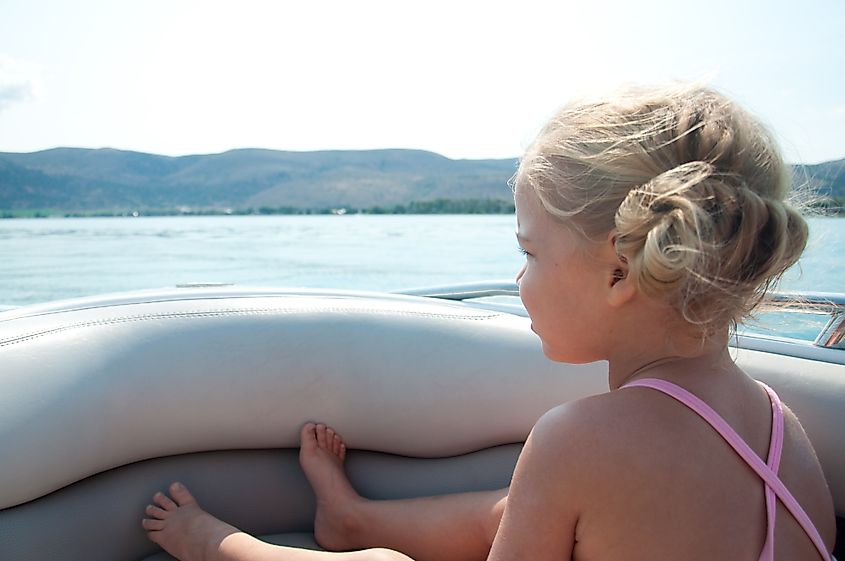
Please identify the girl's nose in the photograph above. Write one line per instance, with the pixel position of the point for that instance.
(521, 273)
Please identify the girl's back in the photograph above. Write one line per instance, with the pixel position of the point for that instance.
(666, 485)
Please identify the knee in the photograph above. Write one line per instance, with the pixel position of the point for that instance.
(491, 523)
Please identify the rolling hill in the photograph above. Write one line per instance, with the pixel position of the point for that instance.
(80, 180)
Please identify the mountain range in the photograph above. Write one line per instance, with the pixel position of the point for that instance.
(76, 179)
(82, 179)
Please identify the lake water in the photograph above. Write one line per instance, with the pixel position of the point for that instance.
(49, 259)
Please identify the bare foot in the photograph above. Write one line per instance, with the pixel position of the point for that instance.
(321, 455)
(182, 528)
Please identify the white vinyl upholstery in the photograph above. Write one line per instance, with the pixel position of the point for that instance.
(105, 400)
(88, 390)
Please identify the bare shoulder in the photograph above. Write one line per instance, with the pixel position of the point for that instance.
(802, 473)
(611, 416)
(582, 440)
(604, 445)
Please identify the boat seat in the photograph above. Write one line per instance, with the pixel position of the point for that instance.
(104, 401)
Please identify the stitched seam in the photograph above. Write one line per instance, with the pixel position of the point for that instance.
(231, 312)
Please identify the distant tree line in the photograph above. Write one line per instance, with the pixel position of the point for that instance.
(447, 206)
(829, 206)
(436, 206)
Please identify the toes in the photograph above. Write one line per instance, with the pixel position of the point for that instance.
(308, 436)
(156, 512)
(321, 436)
(181, 494)
(322, 441)
(152, 525)
(330, 436)
(163, 501)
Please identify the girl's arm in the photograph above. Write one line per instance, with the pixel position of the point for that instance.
(543, 504)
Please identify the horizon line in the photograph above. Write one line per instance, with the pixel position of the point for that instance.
(322, 150)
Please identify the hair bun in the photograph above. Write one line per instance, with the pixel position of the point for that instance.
(666, 191)
(660, 226)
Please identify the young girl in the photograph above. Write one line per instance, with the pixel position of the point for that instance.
(651, 222)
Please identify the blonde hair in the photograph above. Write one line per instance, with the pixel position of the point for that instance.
(694, 187)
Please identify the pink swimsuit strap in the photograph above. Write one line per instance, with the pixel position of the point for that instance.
(767, 471)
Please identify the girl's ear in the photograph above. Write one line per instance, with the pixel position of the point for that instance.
(622, 287)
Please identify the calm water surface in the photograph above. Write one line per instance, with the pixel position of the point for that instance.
(48, 259)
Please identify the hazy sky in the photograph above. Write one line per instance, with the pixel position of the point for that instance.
(464, 79)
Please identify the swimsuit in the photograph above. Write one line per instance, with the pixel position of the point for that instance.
(767, 471)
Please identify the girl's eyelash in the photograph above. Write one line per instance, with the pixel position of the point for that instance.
(521, 249)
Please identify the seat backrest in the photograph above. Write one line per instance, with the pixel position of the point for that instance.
(104, 401)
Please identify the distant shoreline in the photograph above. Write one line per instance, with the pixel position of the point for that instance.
(437, 206)
(825, 207)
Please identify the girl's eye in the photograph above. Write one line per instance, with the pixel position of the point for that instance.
(521, 249)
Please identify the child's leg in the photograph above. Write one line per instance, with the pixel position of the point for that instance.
(189, 533)
(458, 527)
